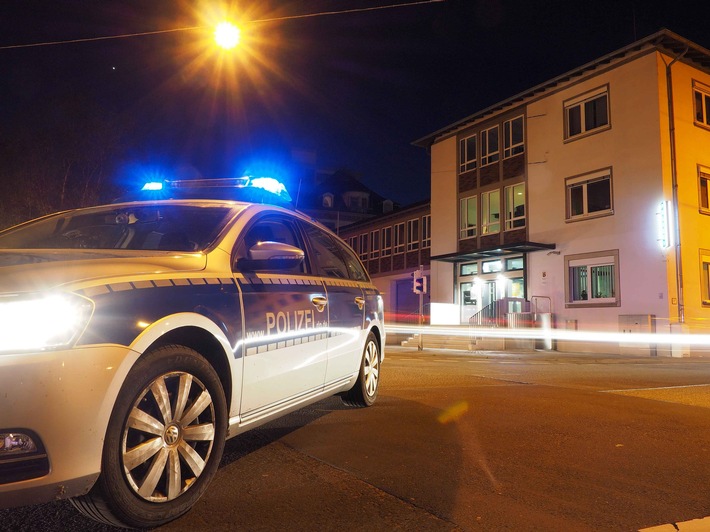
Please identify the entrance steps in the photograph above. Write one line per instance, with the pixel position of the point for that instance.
(439, 341)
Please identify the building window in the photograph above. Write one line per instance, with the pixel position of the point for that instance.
(469, 217)
(469, 269)
(514, 264)
(587, 113)
(589, 195)
(399, 238)
(492, 266)
(515, 206)
(701, 99)
(352, 242)
(328, 200)
(426, 231)
(467, 154)
(490, 212)
(413, 234)
(364, 246)
(386, 241)
(513, 138)
(592, 279)
(375, 244)
(490, 151)
(704, 189)
(705, 276)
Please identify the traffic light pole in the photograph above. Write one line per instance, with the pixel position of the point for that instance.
(421, 317)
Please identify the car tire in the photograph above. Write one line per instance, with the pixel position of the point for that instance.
(164, 441)
(364, 392)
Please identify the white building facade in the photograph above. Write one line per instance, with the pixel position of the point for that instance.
(584, 198)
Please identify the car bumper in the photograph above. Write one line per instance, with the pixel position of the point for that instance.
(63, 399)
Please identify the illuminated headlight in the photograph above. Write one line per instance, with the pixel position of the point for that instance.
(41, 321)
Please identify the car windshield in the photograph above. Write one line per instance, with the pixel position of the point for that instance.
(136, 227)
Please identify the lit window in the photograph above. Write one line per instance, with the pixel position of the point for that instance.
(467, 154)
(492, 266)
(587, 113)
(701, 104)
(490, 151)
(589, 195)
(515, 206)
(469, 269)
(386, 241)
(399, 238)
(514, 264)
(513, 137)
(469, 216)
(593, 279)
(490, 212)
(413, 234)
(426, 231)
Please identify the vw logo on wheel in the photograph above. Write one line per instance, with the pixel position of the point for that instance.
(172, 434)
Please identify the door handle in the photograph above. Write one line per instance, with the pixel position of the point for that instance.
(320, 302)
(360, 302)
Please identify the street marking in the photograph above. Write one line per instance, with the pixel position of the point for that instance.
(689, 395)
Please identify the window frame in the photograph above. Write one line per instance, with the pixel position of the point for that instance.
(426, 231)
(704, 277)
(702, 91)
(510, 218)
(466, 229)
(488, 225)
(375, 244)
(387, 241)
(399, 238)
(412, 238)
(593, 260)
(511, 149)
(489, 157)
(584, 180)
(704, 190)
(580, 102)
(467, 163)
(364, 246)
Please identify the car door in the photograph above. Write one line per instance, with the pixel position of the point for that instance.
(285, 353)
(342, 275)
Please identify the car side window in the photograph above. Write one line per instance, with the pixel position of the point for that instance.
(327, 256)
(355, 268)
(271, 229)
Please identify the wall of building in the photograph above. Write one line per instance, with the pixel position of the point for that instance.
(692, 149)
(444, 216)
(631, 148)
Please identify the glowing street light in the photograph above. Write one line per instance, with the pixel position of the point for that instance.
(227, 35)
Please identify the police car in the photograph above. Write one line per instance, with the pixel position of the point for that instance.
(136, 337)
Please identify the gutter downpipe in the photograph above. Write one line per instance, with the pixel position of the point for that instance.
(674, 184)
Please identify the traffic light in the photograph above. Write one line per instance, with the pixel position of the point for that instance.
(419, 284)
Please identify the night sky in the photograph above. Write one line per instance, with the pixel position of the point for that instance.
(355, 88)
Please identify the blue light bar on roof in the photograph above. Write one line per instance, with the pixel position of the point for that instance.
(153, 185)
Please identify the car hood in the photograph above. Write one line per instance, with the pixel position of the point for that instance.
(37, 270)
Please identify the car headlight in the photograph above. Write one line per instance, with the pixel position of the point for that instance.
(39, 322)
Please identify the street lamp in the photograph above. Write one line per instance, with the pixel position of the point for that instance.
(227, 35)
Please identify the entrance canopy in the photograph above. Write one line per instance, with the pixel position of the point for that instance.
(497, 251)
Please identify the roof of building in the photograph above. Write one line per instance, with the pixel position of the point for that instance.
(664, 40)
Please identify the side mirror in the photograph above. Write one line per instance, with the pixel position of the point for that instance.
(271, 256)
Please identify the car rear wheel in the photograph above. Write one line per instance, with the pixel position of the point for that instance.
(164, 441)
(364, 393)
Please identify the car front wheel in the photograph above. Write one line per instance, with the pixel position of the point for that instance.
(164, 441)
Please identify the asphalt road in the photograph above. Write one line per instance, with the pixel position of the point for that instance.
(456, 441)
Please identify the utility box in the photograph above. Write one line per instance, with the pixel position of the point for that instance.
(634, 324)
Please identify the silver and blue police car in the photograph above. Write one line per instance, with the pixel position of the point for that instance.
(136, 337)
